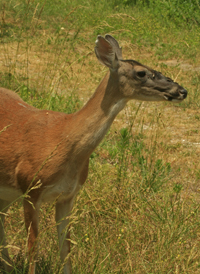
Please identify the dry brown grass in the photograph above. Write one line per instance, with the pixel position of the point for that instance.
(178, 138)
(172, 129)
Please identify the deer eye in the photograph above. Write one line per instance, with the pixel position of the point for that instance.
(141, 73)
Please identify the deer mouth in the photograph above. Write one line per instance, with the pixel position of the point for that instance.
(181, 95)
(170, 98)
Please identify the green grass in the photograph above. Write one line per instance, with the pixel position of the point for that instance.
(139, 209)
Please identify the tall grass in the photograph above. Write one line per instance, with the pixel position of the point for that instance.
(138, 211)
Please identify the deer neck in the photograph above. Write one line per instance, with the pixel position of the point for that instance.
(95, 118)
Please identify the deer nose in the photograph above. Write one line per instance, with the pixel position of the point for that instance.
(183, 92)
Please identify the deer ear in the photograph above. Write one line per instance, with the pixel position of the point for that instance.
(108, 51)
(115, 46)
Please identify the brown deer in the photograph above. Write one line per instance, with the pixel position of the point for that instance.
(44, 155)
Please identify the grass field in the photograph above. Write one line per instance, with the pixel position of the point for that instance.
(138, 212)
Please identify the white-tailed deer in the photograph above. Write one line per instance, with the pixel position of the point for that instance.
(44, 155)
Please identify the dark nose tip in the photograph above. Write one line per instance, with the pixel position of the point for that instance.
(183, 92)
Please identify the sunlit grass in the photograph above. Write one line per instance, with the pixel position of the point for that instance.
(138, 211)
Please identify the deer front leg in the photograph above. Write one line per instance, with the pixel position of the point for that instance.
(4, 205)
(31, 222)
(63, 210)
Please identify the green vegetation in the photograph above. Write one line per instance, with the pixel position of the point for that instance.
(139, 209)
